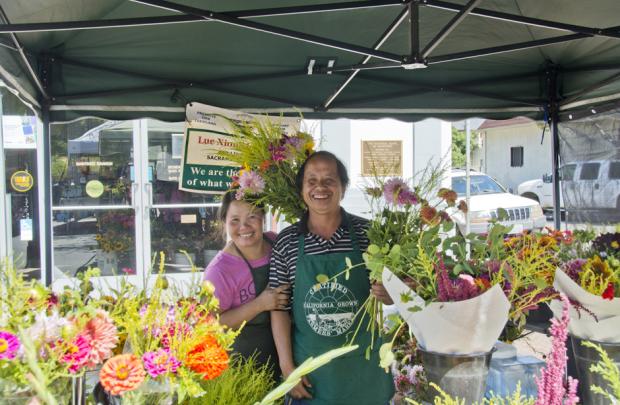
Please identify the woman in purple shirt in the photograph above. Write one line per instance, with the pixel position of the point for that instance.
(240, 275)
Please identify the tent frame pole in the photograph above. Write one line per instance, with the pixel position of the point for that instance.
(591, 88)
(536, 22)
(553, 106)
(414, 30)
(427, 88)
(175, 19)
(505, 48)
(47, 261)
(384, 37)
(171, 84)
(270, 29)
(448, 28)
(24, 58)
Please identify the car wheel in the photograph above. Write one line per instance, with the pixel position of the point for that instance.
(531, 196)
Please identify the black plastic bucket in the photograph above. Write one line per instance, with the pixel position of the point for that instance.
(584, 358)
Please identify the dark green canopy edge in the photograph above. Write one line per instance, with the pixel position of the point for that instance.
(456, 59)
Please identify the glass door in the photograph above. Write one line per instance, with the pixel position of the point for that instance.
(116, 203)
(183, 226)
(94, 200)
(19, 186)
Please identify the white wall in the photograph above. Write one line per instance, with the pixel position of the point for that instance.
(432, 145)
(429, 140)
(495, 153)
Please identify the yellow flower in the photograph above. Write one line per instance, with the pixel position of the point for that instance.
(615, 244)
(309, 146)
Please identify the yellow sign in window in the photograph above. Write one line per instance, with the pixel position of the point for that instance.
(22, 181)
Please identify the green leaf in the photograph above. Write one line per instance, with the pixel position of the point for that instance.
(540, 283)
(405, 298)
(373, 249)
(502, 214)
(386, 356)
(414, 309)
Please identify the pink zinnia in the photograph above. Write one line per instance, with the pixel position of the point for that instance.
(160, 362)
(396, 191)
(9, 345)
(250, 183)
(103, 337)
(77, 353)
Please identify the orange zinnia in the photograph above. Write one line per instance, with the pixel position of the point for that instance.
(122, 373)
(207, 358)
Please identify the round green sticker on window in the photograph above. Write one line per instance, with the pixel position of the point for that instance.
(94, 188)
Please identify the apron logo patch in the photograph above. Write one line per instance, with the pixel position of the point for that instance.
(330, 308)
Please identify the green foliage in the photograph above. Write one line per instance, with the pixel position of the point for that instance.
(254, 142)
(244, 382)
(444, 399)
(608, 370)
(458, 147)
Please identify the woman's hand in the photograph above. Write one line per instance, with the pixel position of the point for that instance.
(299, 391)
(378, 290)
(274, 298)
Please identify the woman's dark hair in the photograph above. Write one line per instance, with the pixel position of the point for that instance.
(322, 154)
(227, 199)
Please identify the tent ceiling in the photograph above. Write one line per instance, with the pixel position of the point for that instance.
(376, 58)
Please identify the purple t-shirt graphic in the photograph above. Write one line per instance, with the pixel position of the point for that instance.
(232, 279)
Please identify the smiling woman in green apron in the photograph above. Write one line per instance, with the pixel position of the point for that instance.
(321, 314)
(239, 274)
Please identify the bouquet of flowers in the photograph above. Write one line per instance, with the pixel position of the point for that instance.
(172, 343)
(590, 277)
(46, 339)
(269, 160)
(114, 232)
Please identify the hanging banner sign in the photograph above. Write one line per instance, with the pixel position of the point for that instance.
(207, 132)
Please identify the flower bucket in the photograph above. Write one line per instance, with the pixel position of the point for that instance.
(459, 375)
(209, 254)
(182, 262)
(586, 357)
(107, 262)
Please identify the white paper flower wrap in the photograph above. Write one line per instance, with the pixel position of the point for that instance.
(463, 327)
(582, 324)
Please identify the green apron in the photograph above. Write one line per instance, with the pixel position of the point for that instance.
(256, 336)
(324, 320)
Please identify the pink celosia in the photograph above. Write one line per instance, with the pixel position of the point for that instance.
(76, 353)
(550, 382)
(448, 290)
(103, 338)
(9, 345)
(160, 362)
(250, 183)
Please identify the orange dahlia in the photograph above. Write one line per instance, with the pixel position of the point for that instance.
(207, 358)
(122, 373)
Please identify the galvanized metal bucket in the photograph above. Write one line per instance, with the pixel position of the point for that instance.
(584, 358)
(459, 375)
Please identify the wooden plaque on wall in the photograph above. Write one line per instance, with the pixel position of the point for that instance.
(382, 158)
